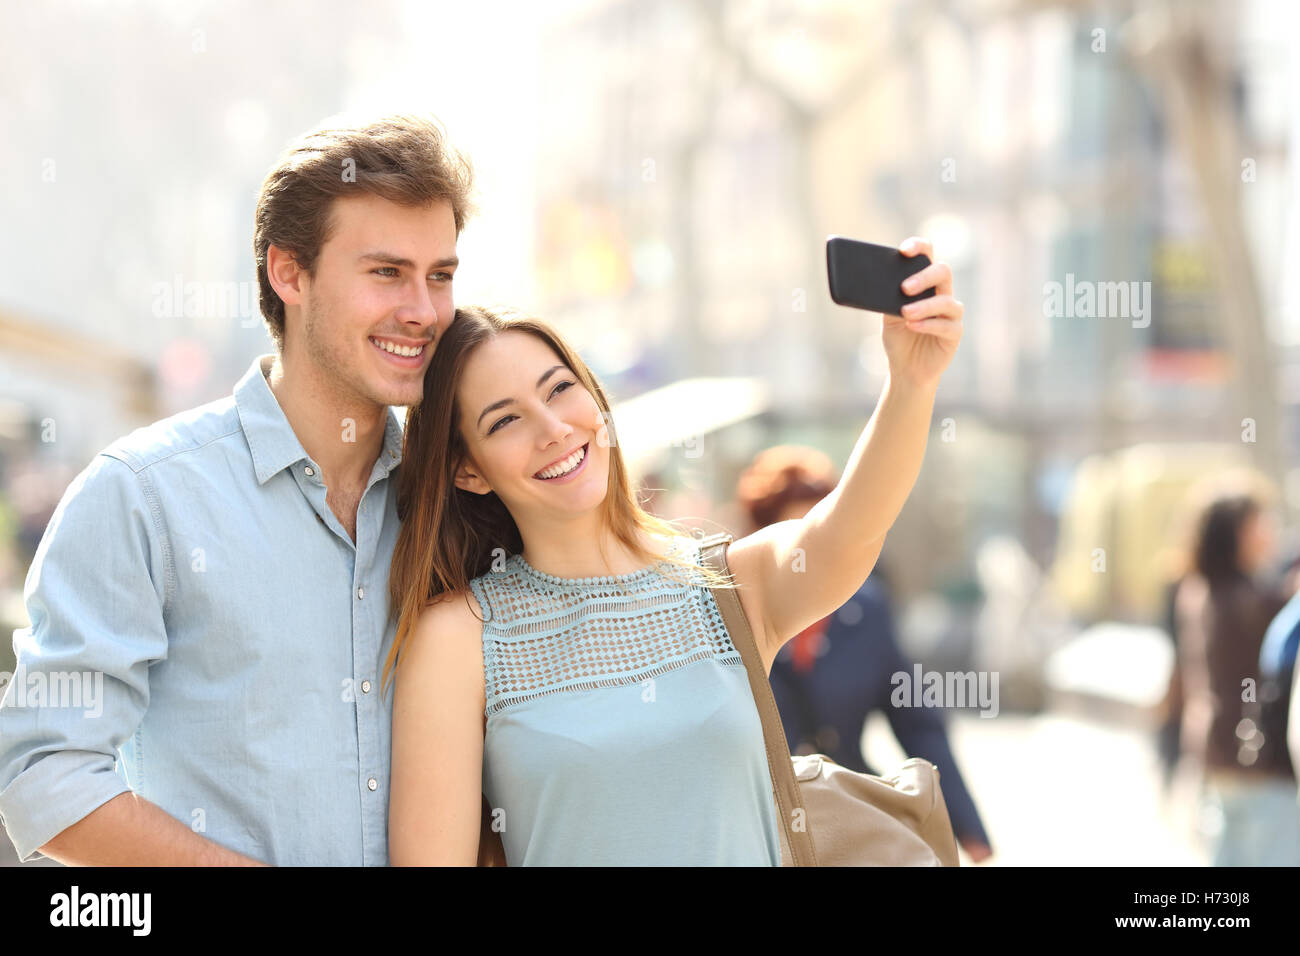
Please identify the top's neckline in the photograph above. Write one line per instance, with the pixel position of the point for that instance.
(637, 575)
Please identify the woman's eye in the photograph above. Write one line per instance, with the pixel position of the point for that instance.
(563, 385)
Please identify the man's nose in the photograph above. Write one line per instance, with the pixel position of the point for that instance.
(419, 309)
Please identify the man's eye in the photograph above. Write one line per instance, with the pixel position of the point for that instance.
(442, 276)
(383, 269)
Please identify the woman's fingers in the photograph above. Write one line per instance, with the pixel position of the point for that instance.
(943, 306)
(942, 328)
(940, 314)
(914, 245)
(936, 274)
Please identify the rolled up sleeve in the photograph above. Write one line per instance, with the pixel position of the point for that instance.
(95, 595)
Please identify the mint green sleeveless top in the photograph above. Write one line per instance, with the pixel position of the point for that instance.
(621, 730)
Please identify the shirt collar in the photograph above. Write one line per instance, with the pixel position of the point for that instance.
(271, 438)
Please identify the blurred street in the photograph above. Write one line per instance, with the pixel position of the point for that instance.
(1058, 790)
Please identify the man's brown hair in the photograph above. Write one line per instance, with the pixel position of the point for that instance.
(403, 158)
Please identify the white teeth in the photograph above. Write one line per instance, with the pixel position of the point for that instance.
(398, 349)
(570, 463)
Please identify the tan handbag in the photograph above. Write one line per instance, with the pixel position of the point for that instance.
(859, 819)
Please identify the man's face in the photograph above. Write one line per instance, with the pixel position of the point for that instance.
(381, 286)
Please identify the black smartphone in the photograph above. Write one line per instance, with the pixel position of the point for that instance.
(868, 276)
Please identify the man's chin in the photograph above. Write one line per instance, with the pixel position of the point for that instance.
(398, 395)
(395, 387)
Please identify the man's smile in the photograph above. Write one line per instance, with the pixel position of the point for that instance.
(408, 353)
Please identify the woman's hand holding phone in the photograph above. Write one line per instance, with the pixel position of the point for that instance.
(845, 531)
(921, 342)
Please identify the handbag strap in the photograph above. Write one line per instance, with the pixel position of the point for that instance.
(786, 788)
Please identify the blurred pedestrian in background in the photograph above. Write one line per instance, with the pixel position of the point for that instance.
(1222, 609)
(1176, 562)
(829, 677)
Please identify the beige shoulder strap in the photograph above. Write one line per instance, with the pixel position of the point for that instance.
(786, 788)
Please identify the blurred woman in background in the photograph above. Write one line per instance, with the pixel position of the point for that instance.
(1221, 612)
(830, 676)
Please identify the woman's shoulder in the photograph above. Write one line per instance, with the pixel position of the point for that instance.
(443, 659)
(452, 612)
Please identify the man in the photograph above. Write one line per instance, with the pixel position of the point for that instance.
(223, 574)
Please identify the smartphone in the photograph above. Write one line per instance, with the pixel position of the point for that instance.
(868, 276)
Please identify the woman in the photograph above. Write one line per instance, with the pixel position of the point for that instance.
(559, 653)
(1221, 612)
(838, 670)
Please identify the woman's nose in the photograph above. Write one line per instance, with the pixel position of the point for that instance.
(556, 428)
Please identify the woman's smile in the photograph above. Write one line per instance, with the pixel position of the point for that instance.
(574, 469)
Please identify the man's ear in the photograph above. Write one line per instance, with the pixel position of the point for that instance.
(285, 275)
(467, 478)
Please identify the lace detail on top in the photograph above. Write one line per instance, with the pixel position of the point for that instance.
(544, 634)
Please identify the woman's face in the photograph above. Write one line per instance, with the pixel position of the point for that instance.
(522, 410)
(1257, 541)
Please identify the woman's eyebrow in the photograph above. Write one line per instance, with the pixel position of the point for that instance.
(502, 403)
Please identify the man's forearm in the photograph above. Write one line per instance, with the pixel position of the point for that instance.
(130, 831)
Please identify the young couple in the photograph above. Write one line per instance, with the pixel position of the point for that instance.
(540, 641)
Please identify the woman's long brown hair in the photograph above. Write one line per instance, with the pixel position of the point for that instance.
(448, 535)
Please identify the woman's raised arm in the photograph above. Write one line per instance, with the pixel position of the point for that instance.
(804, 569)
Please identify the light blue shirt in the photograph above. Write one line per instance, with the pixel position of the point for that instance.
(204, 632)
(621, 728)
(1277, 654)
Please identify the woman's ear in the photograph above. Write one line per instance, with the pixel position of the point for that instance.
(467, 478)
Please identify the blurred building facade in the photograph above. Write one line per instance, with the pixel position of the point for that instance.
(686, 195)
(670, 171)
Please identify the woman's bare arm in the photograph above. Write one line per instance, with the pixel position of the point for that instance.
(435, 803)
(803, 569)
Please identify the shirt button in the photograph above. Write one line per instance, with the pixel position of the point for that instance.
(365, 687)
(309, 470)
(372, 783)
(361, 592)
